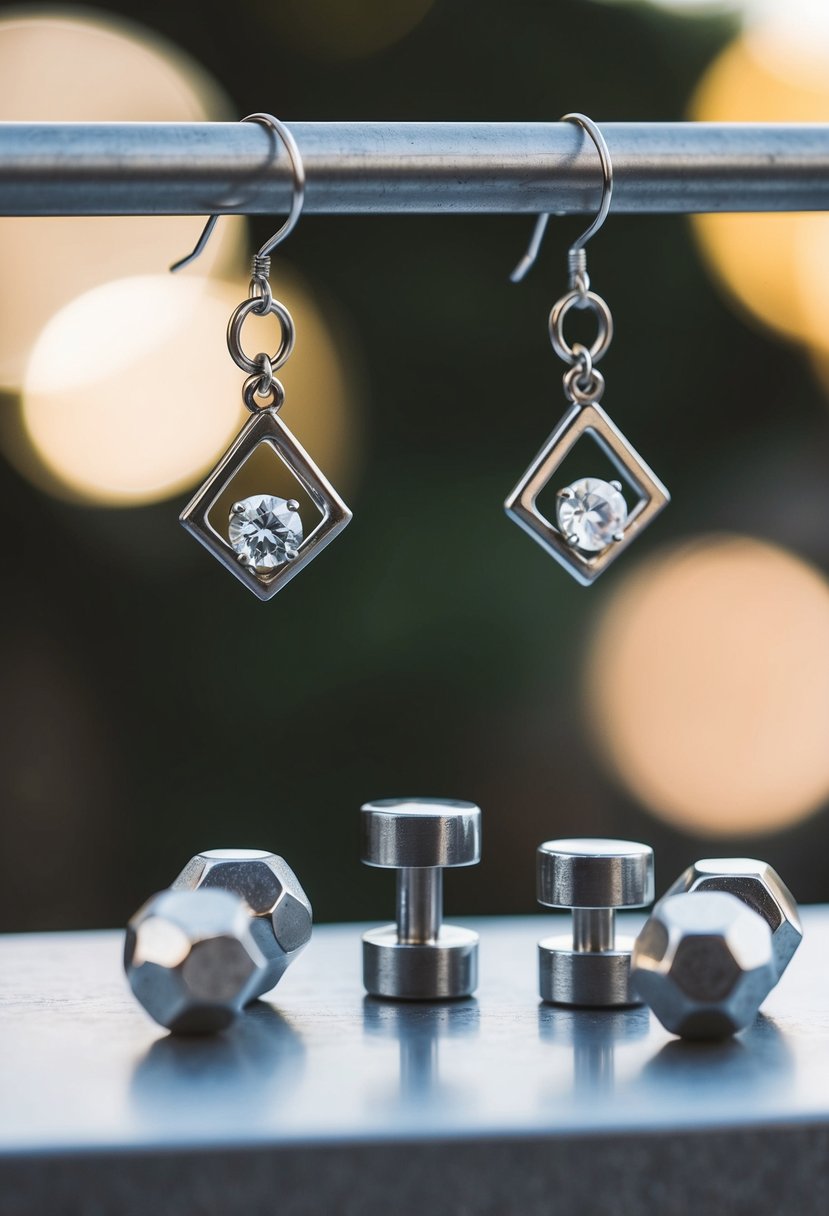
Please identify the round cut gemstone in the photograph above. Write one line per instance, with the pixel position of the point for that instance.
(265, 531)
(591, 513)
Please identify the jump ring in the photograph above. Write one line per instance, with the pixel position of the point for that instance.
(265, 375)
(259, 289)
(250, 392)
(234, 333)
(584, 362)
(575, 299)
(580, 392)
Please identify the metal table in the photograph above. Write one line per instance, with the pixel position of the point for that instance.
(327, 1102)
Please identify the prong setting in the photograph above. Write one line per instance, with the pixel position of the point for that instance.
(522, 504)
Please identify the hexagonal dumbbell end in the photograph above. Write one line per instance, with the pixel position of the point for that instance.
(281, 917)
(759, 886)
(704, 962)
(191, 959)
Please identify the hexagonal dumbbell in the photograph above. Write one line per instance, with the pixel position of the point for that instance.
(281, 918)
(592, 878)
(705, 963)
(756, 884)
(191, 959)
(420, 958)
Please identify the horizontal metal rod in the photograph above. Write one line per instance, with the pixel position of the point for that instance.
(371, 167)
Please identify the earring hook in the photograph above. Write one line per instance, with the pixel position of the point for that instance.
(261, 261)
(576, 255)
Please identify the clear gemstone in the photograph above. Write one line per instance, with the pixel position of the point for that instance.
(591, 514)
(265, 531)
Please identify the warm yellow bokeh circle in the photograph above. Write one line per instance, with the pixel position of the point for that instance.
(769, 263)
(707, 686)
(130, 394)
(93, 69)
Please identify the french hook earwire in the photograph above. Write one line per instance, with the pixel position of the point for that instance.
(262, 259)
(577, 254)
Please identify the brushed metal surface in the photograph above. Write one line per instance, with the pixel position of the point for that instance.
(363, 167)
(420, 832)
(444, 969)
(590, 979)
(594, 873)
(494, 1106)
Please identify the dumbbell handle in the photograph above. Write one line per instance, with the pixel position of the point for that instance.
(594, 929)
(419, 904)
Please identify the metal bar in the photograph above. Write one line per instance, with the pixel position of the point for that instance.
(372, 167)
(594, 929)
(419, 904)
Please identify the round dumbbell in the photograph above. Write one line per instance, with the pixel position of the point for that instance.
(420, 958)
(593, 878)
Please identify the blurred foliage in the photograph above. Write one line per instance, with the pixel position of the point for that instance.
(153, 708)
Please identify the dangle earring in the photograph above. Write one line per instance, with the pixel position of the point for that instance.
(593, 521)
(265, 540)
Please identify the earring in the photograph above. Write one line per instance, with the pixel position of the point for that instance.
(265, 541)
(593, 522)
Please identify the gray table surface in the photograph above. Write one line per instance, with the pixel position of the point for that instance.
(325, 1101)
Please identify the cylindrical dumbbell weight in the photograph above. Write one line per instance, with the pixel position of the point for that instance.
(419, 957)
(592, 878)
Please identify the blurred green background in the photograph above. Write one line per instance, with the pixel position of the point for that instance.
(152, 708)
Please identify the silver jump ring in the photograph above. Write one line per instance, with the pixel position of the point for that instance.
(579, 391)
(265, 375)
(234, 334)
(575, 299)
(584, 361)
(259, 289)
(250, 392)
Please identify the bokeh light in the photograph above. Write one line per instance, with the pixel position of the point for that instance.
(707, 685)
(767, 261)
(76, 69)
(131, 395)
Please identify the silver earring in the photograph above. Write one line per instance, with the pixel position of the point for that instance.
(593, 520)
(265, 540)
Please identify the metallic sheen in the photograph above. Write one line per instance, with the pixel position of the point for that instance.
(420, 958)
(704, 962)
(522, 504)
(192, 960)
(593, 877)
(265, 427)
(363, 167)
(759, 886)
(340, 1104)
(281, 917)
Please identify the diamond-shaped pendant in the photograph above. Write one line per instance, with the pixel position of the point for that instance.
(599, 528)
(264, 544)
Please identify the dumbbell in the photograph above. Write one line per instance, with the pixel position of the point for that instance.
(191, 959)
(705, 963)
(592, 877)
(715, 945)
(419, 957)
(259, 911)
(281, 917)
(756, 884)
